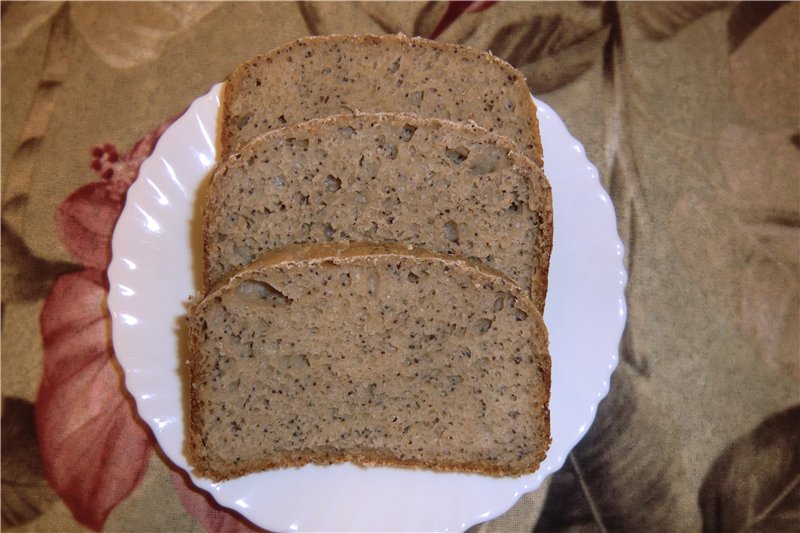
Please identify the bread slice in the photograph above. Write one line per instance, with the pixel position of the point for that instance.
(376, 354)
(450, 187)
(321, 76)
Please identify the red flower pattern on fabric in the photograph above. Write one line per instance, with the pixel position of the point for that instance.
(455, 10)
(94, 449)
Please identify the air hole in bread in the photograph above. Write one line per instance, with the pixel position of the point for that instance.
(482, 325)
(332, 183)
(450, 231)
(243, 119)
(407, 133)
(499, 303)
(373, 283)
(457, 155)
(489, 162)
(298, 143)
(329, 232)
(296, 361)
(263, 291)
(346, 132)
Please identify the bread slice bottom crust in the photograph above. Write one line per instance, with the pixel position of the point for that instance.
(368, 457)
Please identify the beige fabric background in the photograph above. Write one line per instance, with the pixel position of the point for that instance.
(691, 113)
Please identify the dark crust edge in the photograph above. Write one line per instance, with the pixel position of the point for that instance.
(243, 71)
(370, 458)
(339, 253)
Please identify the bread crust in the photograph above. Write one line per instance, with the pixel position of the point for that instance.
(370, 458)
(303, 255)
(527, 112)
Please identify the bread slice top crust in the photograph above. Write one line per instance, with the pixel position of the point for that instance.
(371, 353)
(451, 187)
(326, 75)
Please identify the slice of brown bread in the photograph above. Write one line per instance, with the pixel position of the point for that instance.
(372, 353)
(448, 186)
(321, 76)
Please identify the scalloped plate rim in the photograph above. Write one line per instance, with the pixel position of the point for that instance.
(173, 174)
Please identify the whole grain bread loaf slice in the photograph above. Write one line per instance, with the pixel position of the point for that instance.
(451, 187)
(378, 354)
(320, 76)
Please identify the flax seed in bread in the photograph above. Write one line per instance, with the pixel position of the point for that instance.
(450, 187)
(369, 353)
(320, 76)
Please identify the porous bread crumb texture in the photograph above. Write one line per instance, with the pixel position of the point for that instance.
(450, 187)
(375, 359)
(321, 76)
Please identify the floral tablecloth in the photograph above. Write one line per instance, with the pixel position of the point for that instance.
(691, 112)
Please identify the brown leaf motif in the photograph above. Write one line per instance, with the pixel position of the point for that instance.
(763, 196)
(141, 30)
(661, 20)
(25, 276)
(754, 485)
(755, 216)
(550, 49)
(746, 17)
(765, 63)
(548, 45)
(627, 472)
(25, 492)
(455, 10)
(410, 18)
(20, 19)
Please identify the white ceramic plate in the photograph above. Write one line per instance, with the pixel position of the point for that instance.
(155, 268)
